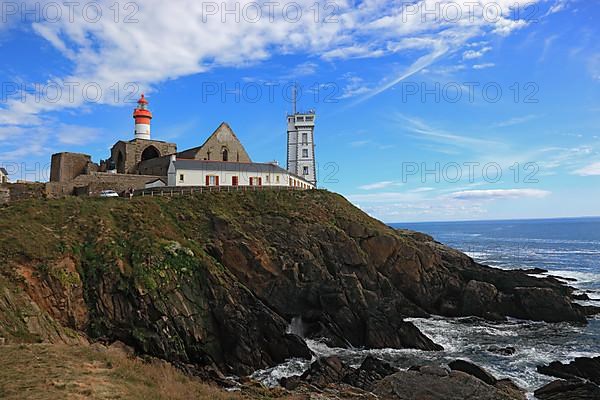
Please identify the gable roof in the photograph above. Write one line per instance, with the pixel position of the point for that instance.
(215, 136)
(3, 171)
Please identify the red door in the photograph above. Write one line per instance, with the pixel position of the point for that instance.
(207, 180)
(259, 181)
(216, 181)
(234, 181)
(251, 181)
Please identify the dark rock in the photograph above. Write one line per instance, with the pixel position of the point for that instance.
(561, 278)
(581, 380)
(569, 390)
(436, 370)
(581, 297)
(479, 298)
(532, 271)
(548, 305)
(290, 383)
(583, 367)
(503, 351)
(473, 370)
(325, 371)
(370, 371)
(589, 310)
(509, 387)
(454, 385)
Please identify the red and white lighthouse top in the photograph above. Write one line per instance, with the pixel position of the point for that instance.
(142, 113)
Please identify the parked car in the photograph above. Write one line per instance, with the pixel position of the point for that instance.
(109, 193)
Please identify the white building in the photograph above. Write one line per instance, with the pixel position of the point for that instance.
(188, 172)
(3, 176)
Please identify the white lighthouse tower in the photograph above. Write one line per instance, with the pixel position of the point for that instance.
(142, 118)
(301, 146)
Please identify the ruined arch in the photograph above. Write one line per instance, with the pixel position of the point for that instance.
(149, 153)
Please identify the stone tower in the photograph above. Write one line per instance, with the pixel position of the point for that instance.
(301, 146)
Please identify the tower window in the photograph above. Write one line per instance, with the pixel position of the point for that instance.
(305, 170)
(181, 177)
(225, 155)
(305, 153)
(304, 138)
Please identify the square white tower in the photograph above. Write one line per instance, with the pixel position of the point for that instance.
(301, 146)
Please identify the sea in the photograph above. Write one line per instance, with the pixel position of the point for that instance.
(568, 247)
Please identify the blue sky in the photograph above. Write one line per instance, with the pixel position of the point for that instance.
(420, 104)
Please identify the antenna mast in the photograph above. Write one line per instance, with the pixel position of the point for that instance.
(294, 99)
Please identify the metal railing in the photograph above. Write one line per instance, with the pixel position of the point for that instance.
(172, 191)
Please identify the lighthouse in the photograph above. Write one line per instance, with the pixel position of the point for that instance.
(301, 145)
(142, 118)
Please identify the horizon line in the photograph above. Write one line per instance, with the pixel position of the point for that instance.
(494, 220)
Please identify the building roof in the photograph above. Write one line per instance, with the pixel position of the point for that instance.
(228, 166)
(3, 171)
(223, 127)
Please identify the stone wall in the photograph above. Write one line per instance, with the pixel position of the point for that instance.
(94, 183)
(66, 166)
(156, 166)
(20, 191)
(127, 155)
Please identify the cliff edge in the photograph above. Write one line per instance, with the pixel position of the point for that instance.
(215, 279)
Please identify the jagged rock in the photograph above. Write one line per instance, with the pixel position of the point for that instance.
(533, 271)
(581, 296)
(581, 380)
(325, 371)
(479, 298)
(370, 371)
(441, 385)
(548, 305)
(582, 367)
(329, 371)
(569, 390)
(473, 370)
(503, 351)
(291, 382)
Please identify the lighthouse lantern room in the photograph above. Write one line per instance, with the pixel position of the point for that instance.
(142, 118)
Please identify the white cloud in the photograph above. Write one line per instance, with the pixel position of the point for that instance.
(360, 143)
(354, 86)
(76, 135)
(172, 40)
(378, 185)
(516, 120)
(498, 194)
(473, 54)
(589, 170)
(425, 131)
(484, 66)
(304, 69)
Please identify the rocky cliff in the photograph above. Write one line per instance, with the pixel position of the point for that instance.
(216, 279)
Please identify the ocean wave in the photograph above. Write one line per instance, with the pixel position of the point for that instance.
(271, 376)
